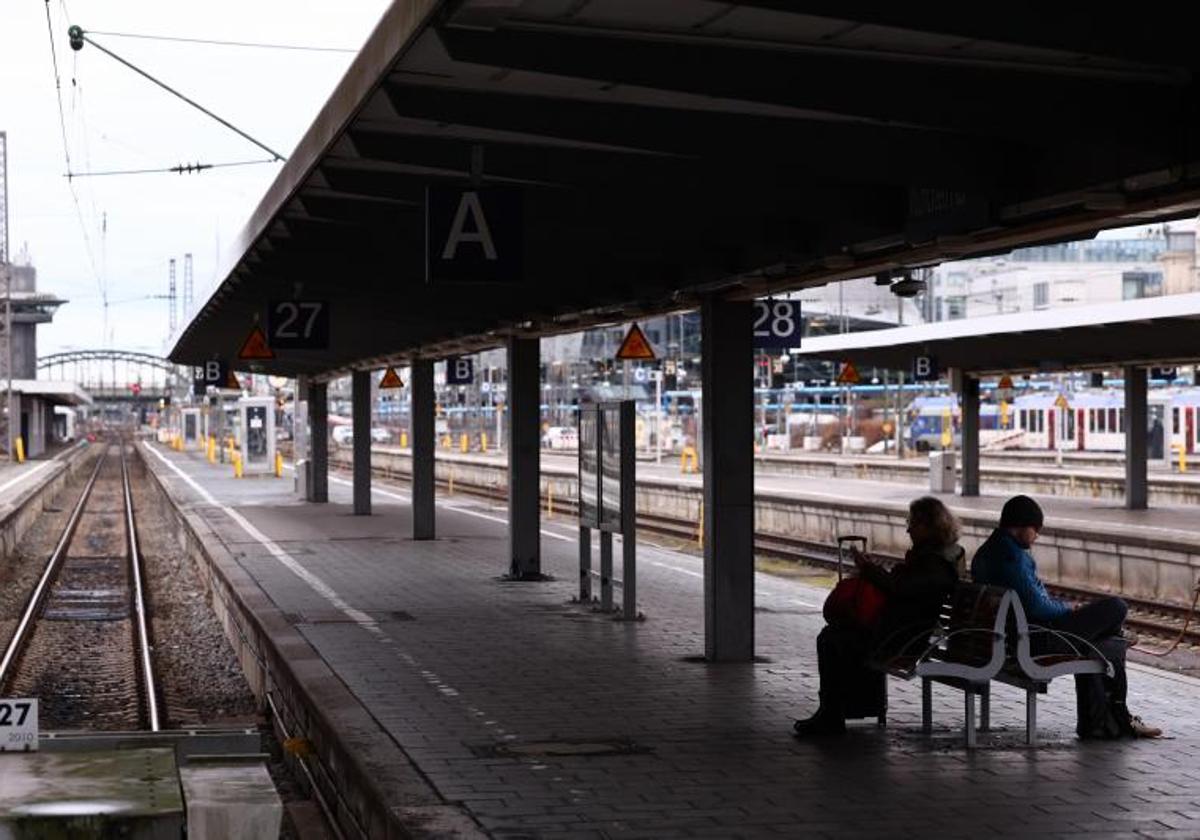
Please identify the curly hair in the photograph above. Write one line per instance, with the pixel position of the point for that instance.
(941, 523)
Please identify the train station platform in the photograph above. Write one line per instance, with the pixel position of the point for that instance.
(508, 711)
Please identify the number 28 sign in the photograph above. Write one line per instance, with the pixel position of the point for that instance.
(776, 324)
(298, 324)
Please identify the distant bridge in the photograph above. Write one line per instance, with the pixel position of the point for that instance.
(117, 375)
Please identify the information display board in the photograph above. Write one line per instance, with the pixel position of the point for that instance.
(601, 465)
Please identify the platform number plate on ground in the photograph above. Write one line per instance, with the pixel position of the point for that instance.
(298, 324)
(18, 725)
(460, 371)
(776, 324)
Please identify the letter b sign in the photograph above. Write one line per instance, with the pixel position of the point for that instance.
(925, 368)
(460, 371)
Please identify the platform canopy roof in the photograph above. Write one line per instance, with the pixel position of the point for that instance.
(1158, 331)
(53, 391)
(665, 149)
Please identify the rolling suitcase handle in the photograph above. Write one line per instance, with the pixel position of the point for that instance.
(841, 544)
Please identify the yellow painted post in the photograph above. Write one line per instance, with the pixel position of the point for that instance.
(947, 429)
(483, 441)
(20, 443)
(404, 440)
(446, 443)
(464, 444)
(237, 465)
(1182, 457)
(279, 465)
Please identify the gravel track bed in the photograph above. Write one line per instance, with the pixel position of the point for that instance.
(200, 680)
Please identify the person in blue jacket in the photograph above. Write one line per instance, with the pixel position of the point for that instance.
(1005, 560)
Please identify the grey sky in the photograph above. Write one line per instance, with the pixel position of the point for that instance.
(117, 120)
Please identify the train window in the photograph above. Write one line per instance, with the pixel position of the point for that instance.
(1091, 419)
(1021, 419)
(1101, 425)
(1120, 420)
(1112, 420)
(1174, 421)
(1041, 420)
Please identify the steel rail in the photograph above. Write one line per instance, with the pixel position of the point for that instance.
(139, 604)
(20, 635)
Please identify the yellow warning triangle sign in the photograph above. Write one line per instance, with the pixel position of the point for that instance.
(391, 379)
(1005, 382)
(848, 375)
(255, 346)
(231, 382)
(636, 347)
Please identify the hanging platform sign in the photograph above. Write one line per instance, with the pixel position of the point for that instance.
(214, 372)
(848, 375)
(298, 324)
(636, 347)
(460, 370)
(776, 324)
(473, 234)
(391, 379)
(255, 347)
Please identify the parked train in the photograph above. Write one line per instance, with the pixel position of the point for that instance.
(1093, 421)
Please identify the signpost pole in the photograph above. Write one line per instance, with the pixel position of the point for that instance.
(658, 417)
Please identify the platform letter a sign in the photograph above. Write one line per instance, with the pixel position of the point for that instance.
(474, 234)
(469, 205)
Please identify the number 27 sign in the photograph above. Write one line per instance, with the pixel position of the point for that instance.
(298, 324)
(776, 324)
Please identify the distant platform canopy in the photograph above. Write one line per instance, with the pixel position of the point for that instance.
(633, 156)
(52, 391)
(1156, 331)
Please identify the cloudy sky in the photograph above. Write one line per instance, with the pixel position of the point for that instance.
(117, 233)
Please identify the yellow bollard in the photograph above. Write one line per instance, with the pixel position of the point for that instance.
(483, 441)
(20, 444)
(464, 444)
(446, 442)
(688, 461)
(279, 465)
(237, 466)
(404, 440)
(1182, 457)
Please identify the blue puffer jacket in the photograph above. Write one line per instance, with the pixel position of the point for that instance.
(1002, 561)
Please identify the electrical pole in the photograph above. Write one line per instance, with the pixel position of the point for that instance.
(7, 268)
(171, 323)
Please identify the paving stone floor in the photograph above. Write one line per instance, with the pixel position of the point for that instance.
(482, 682)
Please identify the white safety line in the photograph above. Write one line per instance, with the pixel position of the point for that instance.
(315, 583)
(31, 471)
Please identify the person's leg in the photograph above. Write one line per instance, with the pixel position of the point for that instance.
(1095, 620)
(839, 655)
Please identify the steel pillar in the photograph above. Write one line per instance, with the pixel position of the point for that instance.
(1136, 489)
(970, 435)
(423, 435)
(318, 421)
(524, 443)
(728, 462)
(360, 384)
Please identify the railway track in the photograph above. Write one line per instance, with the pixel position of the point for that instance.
(82, 644)
(1149, 618)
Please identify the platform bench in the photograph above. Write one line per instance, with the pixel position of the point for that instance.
(983, 635)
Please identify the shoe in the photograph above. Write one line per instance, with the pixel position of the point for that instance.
(819, 725)
(1139, 729)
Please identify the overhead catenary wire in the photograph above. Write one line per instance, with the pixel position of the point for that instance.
(79, 35)
(221, 43)
(179, 168)
(62, 124)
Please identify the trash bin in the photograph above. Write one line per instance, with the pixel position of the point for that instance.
(941, 472)
(302, 478)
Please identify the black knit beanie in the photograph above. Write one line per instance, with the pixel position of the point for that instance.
(1020, 511)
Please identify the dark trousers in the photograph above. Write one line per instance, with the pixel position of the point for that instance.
(1099, 699)
(848, 687)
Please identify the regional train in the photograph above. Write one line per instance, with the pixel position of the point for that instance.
(1092, 421)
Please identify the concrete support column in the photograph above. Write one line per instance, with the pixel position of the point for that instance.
(1136, 489)
(524, 438)
(360, 396)
(318, 421)
(422, 407)
(970, 435)
(727, 363)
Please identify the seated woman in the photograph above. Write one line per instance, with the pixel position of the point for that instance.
(915, 589)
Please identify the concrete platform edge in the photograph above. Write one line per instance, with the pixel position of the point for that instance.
(359, 767)
(18, 516)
